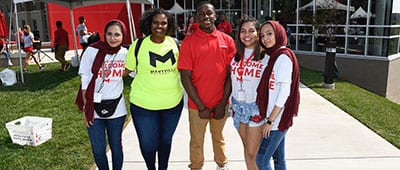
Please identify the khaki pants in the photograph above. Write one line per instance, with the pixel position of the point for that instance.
(197, 133)
(60, 55)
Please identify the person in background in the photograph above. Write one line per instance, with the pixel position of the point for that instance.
(3, 51)
(224, 25)
(28, 38)
(247, 68)
(19, 33)
(156, 96)
(278, 95)
(288, 31)
(60, 46)
(204, 63)
(83, 33)
(191, 26)
(100, 96)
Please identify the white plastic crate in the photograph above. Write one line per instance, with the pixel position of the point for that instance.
(30, 130)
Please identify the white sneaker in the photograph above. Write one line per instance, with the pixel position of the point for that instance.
(10, 63)
(225, 167)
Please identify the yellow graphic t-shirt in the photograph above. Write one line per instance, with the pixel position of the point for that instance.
(157, 83)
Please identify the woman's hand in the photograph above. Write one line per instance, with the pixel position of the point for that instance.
(266, 130)
(88, 123)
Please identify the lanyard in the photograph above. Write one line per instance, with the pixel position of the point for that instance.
(242, 66)
(103, 74)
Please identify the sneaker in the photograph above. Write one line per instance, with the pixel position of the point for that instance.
(225, 167)
(67, 67)
(10, 63)
(42, 67)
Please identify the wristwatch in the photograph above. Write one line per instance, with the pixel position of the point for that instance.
(269, 122)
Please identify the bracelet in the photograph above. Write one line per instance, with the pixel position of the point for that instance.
(202, 110)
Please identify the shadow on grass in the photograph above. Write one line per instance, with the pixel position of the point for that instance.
(313, 79)
(46, 79)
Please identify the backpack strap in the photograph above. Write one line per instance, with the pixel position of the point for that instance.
(137, 46)
(176, 42)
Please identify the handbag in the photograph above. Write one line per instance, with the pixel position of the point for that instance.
(107, 107)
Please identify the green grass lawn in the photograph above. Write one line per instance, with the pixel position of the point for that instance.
(46, 93)
(51, 93)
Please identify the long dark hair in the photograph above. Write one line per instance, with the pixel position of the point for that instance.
(147, 19)
(239, 44)
(188, 22)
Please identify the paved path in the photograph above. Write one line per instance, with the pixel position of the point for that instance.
(323, 138)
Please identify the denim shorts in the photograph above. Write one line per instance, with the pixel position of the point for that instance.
(242, 111)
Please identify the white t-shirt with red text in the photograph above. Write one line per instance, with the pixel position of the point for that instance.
(279, 86)
(113, 82)
(253, 71)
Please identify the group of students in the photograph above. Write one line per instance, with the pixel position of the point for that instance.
(254, 79)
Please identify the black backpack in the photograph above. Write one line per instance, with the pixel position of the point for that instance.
(93, 38)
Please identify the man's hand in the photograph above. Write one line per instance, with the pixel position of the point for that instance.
(219, 111)
(204, 113)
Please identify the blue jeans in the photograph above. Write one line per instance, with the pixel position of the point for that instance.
(97, 135)
(6, 55)
(272, 146)
(155, 129)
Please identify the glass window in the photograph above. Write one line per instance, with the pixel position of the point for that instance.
(360, 14)
(393, 46)
(305, 43)
(376, 47)
(356, 30)
(355, 45)
(340, 42)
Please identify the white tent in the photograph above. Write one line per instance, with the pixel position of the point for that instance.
(360, 13)
(80, 3)
(176, 9)
(71, 4)
(325, 4)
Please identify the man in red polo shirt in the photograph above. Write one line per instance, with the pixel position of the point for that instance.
(204, 63)
(61, 46)
(224, 25)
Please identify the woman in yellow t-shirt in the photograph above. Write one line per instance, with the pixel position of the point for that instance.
(156, 94)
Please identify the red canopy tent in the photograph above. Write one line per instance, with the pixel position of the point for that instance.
(3, 26)
(74, 4)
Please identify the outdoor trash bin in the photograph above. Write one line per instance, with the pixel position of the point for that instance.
(30, 130)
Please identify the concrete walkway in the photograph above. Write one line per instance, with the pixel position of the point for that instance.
(323, 138)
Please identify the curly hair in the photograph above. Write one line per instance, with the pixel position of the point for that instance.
(147, 19)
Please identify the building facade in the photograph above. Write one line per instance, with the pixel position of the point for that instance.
(367, 35)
